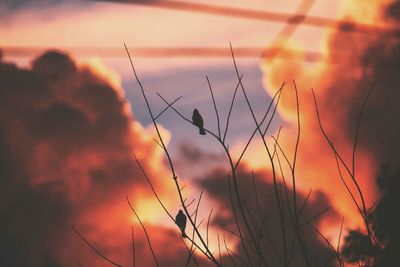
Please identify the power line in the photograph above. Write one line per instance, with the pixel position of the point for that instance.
(292, 21)
(194, 52)
(288, 29)
(315, 21)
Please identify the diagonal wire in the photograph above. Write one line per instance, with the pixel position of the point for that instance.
(262, 15)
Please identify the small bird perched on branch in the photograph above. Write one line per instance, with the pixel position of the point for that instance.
(198, 121)
(180, 220)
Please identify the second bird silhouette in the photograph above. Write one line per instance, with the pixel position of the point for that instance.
(197, 120)
(180, 220)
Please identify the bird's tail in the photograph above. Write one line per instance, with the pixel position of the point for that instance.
(202, 132)
(184, 234)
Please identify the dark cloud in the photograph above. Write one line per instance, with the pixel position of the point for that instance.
(216, 186)
(65, 152)
(192, 158)
(380, 128)
(32, 219)
(15, 5)
(44, 66)
(194, 154)
(393, 10)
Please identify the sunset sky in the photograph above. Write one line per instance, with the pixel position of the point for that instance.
(72, 115)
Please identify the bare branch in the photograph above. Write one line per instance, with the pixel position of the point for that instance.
(353, 162)
(196, 212)
(208, 224)
(254, 240)
(215, 107)
(208, 253)
(319, 214)
(169, 105)
(229, 254)
(133, 248)
(278, 93)
(145, 232)
(152, 188)
(396, 56)
(347, 187)
(219, 249)
(230, 108)
(351, 173)
(340, 234)
(94, 248)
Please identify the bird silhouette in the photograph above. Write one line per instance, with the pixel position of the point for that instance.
(180, 220)
(198, 121)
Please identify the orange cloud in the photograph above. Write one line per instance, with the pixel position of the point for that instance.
(66, 140)
(340, 90)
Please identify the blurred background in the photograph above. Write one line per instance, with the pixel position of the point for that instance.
(72, 114)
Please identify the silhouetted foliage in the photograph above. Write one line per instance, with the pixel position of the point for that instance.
(385, 221)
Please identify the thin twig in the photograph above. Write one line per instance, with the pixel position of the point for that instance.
(208, 253)
(304, 205)
(159, 200)
(93, 247)
(283, 153)
(319, 214)
(358, 128)
(185, 118)
(229, 254)
(196, 212)
(200, 223)
(254, 240)
(235, 216)
(253, 221)
(396, 56)
(230, 162)
(145, 232)
(296, 146)
(190, 203)
(339, 257)
(230, 108)
(215, 107)
(237, 256)
(256, 195)
(298, 229)
(235, 234)
(277, 94)
(364, 210)
(275, 108)
(158, 143)
(152, 188)
(330, 246)
(219, 249)
(340, 234)
(208, 225)
(292, 246)
(173, 102)
(133, 248)
(277, 138)
(182, 188)
(347, 187)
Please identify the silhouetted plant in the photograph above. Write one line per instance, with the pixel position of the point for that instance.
(253, 234)
(246, 225)
(385, 221)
